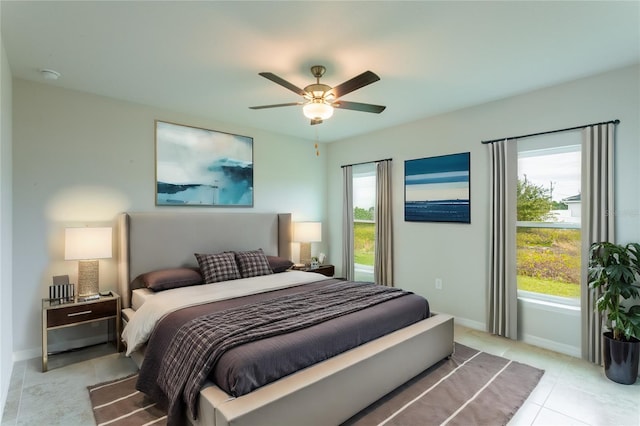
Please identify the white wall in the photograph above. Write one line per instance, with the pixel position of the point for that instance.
(82, 159)
(457, 253)
(6, 328)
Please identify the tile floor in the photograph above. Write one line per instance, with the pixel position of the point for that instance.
(571, 392)
(60, 396)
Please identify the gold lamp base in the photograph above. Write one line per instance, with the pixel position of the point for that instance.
(305, 253)
(88, 273)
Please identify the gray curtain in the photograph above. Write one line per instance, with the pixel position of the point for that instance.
(597, 224)
(347, 223)
(503, 292)
(383, 264)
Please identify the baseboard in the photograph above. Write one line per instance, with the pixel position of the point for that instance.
(552, 345)
(476, 325)
(527, 338)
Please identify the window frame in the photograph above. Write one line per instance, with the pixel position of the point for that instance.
(539, 148)
(362, 171)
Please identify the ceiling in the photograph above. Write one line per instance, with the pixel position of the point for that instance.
(203, 58)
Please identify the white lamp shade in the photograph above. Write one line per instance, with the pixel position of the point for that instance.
(307, 232)
(87, 243)
(317, 110)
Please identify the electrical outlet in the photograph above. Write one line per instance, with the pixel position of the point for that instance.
(438, 283)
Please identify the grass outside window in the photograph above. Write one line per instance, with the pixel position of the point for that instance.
(548, 261)
(364, 242)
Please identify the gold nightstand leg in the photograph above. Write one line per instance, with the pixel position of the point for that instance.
(45, 350)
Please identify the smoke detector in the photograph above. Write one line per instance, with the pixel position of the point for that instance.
(49, 74)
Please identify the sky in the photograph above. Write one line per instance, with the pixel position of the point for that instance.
(437, 178)
(189, 155)
(562, 169)
(364, 192)
(450, 185)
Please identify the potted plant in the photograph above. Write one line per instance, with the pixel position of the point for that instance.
(614, 271)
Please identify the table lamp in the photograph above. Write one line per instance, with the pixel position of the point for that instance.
(87, 245)
(306, 233)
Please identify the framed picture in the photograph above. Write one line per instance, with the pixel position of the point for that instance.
(436, 189)
(200, 167)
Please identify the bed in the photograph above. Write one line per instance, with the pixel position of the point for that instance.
(328, 392)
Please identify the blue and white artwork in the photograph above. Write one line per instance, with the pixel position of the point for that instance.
(436, 189)
(200, 167)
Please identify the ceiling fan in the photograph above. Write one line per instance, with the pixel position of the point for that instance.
(320, 99)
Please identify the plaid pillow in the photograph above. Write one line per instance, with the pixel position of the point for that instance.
(218, 267)
(253, 263)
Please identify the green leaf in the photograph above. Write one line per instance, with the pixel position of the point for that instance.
(614, 270)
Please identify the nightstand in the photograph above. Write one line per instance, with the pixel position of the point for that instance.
(326, 270)
(57, 315)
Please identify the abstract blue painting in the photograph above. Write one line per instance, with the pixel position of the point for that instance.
(436, 189)
(200, 167)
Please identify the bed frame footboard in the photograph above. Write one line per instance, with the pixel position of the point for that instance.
(331, 392)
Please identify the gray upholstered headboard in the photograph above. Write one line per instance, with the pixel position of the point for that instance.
(157, 240)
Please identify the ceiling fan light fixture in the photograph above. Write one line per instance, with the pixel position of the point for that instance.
(317, 110)
(319, 100)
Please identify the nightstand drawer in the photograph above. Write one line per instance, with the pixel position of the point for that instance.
(79, 313)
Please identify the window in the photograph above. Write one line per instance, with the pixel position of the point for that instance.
(548, 222)
(364, 225)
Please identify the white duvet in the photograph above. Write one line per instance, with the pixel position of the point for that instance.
(139, 328)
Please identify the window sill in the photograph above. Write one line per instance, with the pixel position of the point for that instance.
(555, 303)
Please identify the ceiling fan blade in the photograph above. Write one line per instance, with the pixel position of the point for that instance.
(276, 105)
(282, 82)
(355, 83)
(357, 106)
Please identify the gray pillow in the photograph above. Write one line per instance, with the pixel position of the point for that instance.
(165, 279)
(279, 264)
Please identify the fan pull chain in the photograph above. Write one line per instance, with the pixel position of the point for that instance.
(316, 144)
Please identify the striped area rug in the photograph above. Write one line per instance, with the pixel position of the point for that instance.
(470, 388)
(118, 403)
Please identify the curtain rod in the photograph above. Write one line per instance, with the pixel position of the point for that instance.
(551, 131)
(366, 162)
